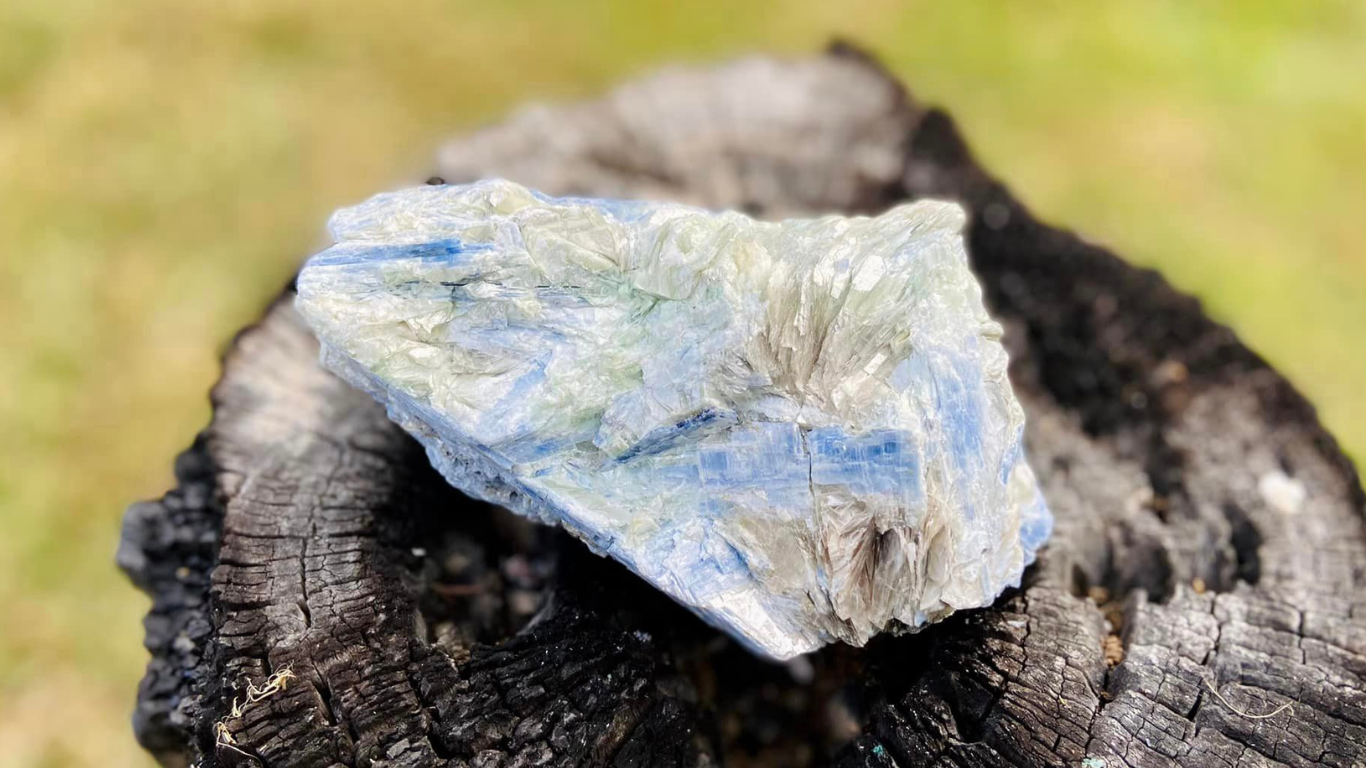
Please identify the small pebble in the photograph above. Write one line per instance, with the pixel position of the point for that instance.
(1282, 492)
(1170, 372)
(523, 603)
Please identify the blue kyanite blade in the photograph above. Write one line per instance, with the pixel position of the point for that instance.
(802, 430)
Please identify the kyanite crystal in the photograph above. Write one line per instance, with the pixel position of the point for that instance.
(802, 430)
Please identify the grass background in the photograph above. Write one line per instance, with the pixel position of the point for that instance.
(165, 164)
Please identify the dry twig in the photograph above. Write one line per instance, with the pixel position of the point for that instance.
(274, 684)
(1240, 712)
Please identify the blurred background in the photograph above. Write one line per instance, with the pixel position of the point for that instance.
(164, 165)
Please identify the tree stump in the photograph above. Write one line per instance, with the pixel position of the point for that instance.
(1200, 603)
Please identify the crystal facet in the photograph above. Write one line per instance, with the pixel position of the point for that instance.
(803, 431)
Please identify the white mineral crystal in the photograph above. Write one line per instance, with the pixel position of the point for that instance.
(803, 431)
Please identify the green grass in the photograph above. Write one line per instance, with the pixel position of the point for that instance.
(164, 165)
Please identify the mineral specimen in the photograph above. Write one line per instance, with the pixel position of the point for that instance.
(803, 431)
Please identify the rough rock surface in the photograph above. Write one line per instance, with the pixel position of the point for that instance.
(803, 430)
(1207, 565)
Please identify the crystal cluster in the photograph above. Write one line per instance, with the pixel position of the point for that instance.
(803, 431)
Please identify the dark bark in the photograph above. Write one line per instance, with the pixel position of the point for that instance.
(1176, 599)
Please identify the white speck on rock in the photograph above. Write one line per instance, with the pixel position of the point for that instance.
(1282, 492)
(182, 643)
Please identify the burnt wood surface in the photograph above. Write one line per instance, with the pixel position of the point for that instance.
(1178, 604)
